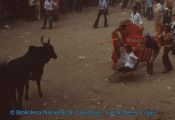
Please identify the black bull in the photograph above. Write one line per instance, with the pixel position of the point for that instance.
(18, 71)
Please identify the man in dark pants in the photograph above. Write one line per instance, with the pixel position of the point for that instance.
(31, 10)
(167, 43)
(78, 6)
(154, 49)
(48, 10)
(102, 11)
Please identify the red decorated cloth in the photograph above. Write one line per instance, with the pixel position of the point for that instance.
(134, 38)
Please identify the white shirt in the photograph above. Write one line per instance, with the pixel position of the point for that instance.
(136, 19)
(158, 8)
(103, 4)
(130, 60)
(48, 5)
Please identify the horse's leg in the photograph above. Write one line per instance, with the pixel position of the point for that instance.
(20, 94)
(26, 90)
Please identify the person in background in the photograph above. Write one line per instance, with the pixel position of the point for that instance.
(31, 9)
(154, 47)
(1, 16)
(149, 4)
(158, 17)
(124, 4)
(167, 43)
(166, 17)
(169, 4)
(139, 5)
(48, 10)
(102, 11)
(55, 10)
(108, 3)
(78, 6)
(130, 4)
(136, 18)
(37, 10)
(144, 7)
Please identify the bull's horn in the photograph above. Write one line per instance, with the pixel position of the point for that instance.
(42, 38)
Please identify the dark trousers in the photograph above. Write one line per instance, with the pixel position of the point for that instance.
(149, 12)
(78, 6)
(101, 12)
(48, 16)
(143, 8)
(31, 13)
(166, 60)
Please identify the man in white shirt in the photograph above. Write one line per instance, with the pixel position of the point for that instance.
(135, 17)
(130, 60)
(48, 10)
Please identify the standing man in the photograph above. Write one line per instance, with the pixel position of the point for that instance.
(31, 9)
(158, 16)
(169, 5)
(154, 47)
(149, 4)
(124, 4)
(102, 11)
(78, 6)
(167, 19)
(37, 9)
(168, 42)
(136, 18)
(48, 9)
(139, 5)
(144, 7)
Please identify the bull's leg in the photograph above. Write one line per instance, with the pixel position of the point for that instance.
(26, 90)
(13, 96)
(20, 90)
(39, 87)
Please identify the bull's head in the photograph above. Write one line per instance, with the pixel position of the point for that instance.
(48, 48)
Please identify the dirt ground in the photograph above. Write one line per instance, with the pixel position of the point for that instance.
(79, 78)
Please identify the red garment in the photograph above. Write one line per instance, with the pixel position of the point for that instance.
(116, 45)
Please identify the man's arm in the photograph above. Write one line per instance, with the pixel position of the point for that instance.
(120, 37)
